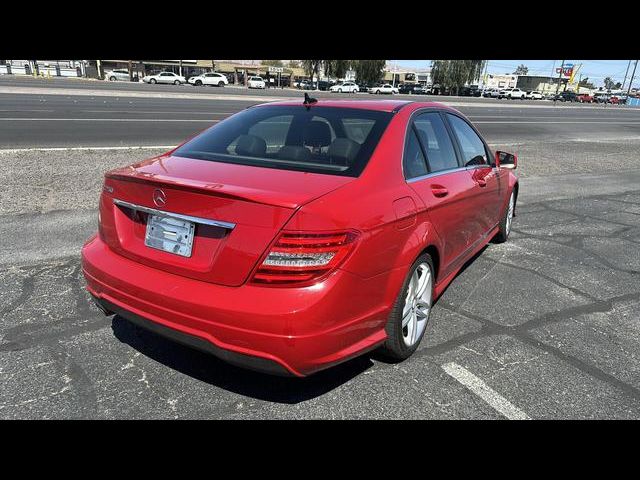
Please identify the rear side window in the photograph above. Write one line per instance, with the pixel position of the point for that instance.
(413, 162)
(436, 142)
(329, 140)
(473, 151)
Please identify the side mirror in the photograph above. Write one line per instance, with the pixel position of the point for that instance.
(506, 160)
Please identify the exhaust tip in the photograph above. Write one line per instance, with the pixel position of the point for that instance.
(101, 307)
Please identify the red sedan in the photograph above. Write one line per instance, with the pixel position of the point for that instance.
(291, 237)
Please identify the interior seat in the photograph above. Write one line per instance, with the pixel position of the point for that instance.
(343, 151)
(317, 135)
(251, 146)
(294, 152)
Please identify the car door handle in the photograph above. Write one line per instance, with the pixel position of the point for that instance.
(439, 191)
(481, 182)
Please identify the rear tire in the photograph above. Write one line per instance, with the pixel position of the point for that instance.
(507, 220)
(414, 304)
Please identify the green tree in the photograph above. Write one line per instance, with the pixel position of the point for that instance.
(521, 70)
(608, 83)
(272, 63)
(586, 83)
(368, 71)
(454, 74)
(311, 68)
(336, 68)
(294, 64)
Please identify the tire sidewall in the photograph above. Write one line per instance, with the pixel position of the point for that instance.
(394, 346)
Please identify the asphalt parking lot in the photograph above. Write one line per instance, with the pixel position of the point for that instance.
(544, 326)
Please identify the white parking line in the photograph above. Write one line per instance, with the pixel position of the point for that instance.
(81, 149)
(486, 393)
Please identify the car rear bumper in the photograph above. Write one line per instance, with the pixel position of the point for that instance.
(294, 331)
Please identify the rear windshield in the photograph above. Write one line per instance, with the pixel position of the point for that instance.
(337, 141)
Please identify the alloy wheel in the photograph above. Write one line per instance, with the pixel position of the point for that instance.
(417, 304)
(510, 214)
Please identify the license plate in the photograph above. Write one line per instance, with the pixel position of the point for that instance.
(169, 234)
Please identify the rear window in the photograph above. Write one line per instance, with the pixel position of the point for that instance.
(337, 141)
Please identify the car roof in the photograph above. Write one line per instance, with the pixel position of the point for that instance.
(378, 105)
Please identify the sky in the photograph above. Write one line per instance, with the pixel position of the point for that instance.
(596, 70)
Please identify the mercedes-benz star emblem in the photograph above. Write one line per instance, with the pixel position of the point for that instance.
(159, 197)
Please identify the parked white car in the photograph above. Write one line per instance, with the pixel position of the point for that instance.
(115, 75)
(165, 77)
(346, 87)
(214, 78)
(491, 93)
(534, 95)
(512, 93)
(385, 88)
(256, 82)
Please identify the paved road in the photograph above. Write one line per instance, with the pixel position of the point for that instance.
(546, 325)
(101, 114)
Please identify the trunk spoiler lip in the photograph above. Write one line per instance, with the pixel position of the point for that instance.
(213, 188)
(193, 186)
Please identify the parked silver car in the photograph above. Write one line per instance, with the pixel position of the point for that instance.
(165, 77)
(121, 74)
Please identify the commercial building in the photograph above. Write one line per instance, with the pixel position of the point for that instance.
(51, 68)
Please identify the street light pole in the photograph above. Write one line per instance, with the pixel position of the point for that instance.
(631, 81)
(559, 80)
(625, 74)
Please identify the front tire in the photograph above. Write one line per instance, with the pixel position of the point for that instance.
(221, 84)
(410, 313)
(198, 83)
(112, 79)
(153, 81)
(507, 220)
(177, 82)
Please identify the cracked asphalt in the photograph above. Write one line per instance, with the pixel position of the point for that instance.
(548, 322)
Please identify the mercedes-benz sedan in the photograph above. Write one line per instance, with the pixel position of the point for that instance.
(291, 237)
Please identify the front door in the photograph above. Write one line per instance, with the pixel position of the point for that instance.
(488, 185)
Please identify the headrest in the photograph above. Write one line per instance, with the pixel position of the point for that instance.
(317, 134)
(343, 151)
(251, 146)
(292, 152)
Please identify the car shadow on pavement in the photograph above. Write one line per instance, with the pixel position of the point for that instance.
(207, 368)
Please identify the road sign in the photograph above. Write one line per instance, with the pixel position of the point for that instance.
(276, 69)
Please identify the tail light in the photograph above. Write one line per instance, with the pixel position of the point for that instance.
(303, 258)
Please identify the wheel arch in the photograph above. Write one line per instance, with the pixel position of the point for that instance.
(433, 252)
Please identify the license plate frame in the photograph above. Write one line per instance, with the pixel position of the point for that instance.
(170, 234)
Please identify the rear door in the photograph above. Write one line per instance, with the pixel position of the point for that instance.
(433, 171)
(488, 182)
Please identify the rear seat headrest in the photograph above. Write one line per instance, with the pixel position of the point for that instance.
(251, 146)
(292, 152)
(317, 134)
(343, 151)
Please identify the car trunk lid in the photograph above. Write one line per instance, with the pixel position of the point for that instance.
(237, 211)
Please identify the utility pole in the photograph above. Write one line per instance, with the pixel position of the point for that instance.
(180, 67)
(631, 81)
(130, 66)
(625, 74)
(559, 80)
(484, 77)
